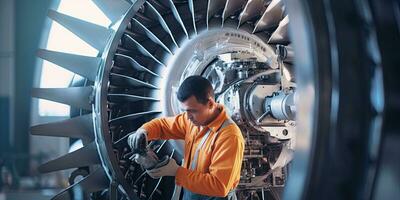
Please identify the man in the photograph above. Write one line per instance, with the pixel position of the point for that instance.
(214, 144)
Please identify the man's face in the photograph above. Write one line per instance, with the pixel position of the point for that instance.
(198, 113)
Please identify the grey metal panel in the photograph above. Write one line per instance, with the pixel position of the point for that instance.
(85, 156)
(191, 8)
(141, 49)
(77, 127)
(271, 17)
(95, 181)
(85, 66)
(119, 79)
(253, 8)
(95, 35)
(213, 7)
(127, 60)
(134, 116)
(178, 17)
(5, 124)
(6, 78)
(231, 7)
(129, 98)
(151, 36)
(289, 58)
(162, 22)
(7, 21)
(280, 35)
(113, 9)
(79, 97)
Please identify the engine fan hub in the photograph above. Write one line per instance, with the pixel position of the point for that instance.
(198, 53)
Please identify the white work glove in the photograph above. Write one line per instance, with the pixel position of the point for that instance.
(138, 140)
(166, 170)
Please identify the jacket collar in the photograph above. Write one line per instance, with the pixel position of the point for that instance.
(219, 120)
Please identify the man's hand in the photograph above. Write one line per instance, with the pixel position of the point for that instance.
(167, 170)
(138, 140)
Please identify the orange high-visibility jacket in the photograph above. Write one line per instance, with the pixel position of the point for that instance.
(219, 160)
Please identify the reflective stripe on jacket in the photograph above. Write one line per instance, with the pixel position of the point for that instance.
(219, 162)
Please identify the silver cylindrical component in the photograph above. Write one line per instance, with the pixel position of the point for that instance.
(281, 105)
(148, 159)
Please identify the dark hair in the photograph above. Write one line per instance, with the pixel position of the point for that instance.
(197, 86)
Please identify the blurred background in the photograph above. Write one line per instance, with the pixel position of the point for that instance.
(25, 27)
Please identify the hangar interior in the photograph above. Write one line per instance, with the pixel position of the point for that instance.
(311, 85)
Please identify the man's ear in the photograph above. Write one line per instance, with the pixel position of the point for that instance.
(210, 102)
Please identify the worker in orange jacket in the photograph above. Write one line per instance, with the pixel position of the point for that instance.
(214, 144)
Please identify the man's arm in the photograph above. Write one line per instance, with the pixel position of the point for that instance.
(225, 167)
(166, 127)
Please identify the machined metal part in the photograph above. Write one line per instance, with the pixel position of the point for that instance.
(149, 48)
(244, 87)
(346, 70)
(281, 105)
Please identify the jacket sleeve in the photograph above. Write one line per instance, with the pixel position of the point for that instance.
(224, 171)
(167, 127)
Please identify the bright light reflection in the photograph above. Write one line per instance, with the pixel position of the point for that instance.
(63, 40)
